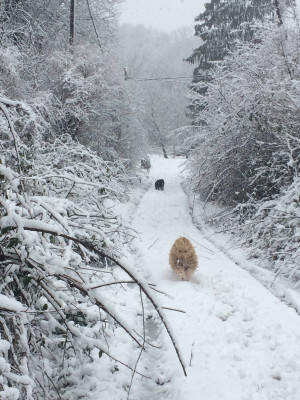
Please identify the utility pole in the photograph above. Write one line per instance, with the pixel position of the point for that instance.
(72, 23)
(278, 12)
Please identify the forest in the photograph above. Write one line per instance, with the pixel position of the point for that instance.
(73, 133)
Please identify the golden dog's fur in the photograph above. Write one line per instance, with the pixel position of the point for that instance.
(183, 258)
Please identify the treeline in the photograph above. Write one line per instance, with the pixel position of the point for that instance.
(244, 146)
(159, 78)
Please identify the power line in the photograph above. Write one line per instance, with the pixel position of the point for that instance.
(159, 79)
(94, 25)
(167, 78)
(140, 79)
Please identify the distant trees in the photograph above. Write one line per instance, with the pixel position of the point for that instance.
(30, 25)
(93, 104)
(149, 57)
(85, 88)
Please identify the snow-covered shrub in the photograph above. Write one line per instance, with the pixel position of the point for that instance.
(93, 105)
(248, 147)
(54, 269)
(48, 269)
(62, 188)
(62, 300)
(272, 231)
(146, 163)
(10, 66)
(82, 91)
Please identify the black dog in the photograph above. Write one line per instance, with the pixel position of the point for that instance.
(160, 184)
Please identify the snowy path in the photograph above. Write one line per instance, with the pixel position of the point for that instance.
(237, 340)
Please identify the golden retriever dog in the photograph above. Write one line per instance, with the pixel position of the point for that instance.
(183, 258)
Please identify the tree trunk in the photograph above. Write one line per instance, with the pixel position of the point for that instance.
(164, 150)
(278, 12)
(72, 23)
(159, 134)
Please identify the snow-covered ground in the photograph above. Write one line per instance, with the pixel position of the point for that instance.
(237, 340)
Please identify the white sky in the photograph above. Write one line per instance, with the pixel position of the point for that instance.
(165, 15)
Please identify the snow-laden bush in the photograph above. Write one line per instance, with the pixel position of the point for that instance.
(63, 288)
(56, 303)
(271, 229)
(49, 269)
(248, 147)
(81, 92)
(92, 104)
(146, 163)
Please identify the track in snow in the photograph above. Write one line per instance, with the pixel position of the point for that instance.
(238, 341)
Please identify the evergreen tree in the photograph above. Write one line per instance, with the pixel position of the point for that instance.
(220, 26)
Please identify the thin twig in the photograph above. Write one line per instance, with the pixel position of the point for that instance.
(14, 134)
(70, 190)
(200, 244)
(159, 291)
(153, 244)
(94, 25)
(142, 349)
(192, 354)
(146, 341)
(174, 309)
(207, 258)
(109, 284)
(99, 304)
(52, 384)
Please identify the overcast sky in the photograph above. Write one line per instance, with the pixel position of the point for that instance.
(165, 15)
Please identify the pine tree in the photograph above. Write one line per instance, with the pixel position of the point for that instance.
(220, 26)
